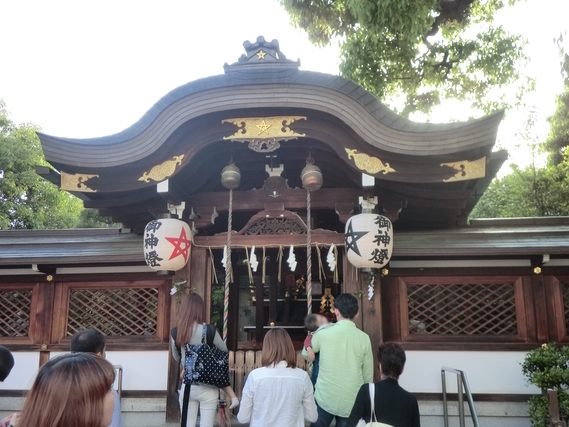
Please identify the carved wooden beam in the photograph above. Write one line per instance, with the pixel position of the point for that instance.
(392, 208)
(269, 241)
(206, 216)
(291, 199)
(344, 211)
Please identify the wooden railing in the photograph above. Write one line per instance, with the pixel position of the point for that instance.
(241, 363)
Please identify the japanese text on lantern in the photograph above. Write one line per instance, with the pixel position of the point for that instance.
(150, 242)
(380, 254)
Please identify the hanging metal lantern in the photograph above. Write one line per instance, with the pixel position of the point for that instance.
(231, 176)
(369, 240)
(311, 176)
(167, 244)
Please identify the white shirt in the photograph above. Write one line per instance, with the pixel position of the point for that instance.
(117, 417)
(277, 396)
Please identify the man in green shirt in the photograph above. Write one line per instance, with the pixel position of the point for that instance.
(346, 363)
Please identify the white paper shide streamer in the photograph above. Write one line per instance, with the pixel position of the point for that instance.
(224, 260)
(253, 260)
(331, 259)
(291, 259)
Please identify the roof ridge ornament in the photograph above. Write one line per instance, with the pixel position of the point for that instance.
(262, 53)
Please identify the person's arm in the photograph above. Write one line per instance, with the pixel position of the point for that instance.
(308, 403)
(361, 408)
(310, 356)
(219, 343)
(175, 353)
(367, 366)
(316, 339)
(246, 406)
(6, 421)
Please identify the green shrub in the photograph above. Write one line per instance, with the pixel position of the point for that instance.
(547, 367)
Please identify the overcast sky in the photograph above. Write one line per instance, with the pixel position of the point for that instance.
(84, 69)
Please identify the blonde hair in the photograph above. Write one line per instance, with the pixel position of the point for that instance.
(69, 390)
(277, 347)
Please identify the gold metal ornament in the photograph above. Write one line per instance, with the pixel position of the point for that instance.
(77, 182)
(261, 55)
(467, 170)
(162, 171)
(369, 164)
(263, 134)
(537, 270)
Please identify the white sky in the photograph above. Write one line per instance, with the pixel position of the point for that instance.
(84, 69)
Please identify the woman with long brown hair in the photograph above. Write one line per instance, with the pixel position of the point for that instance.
(190, 330)
(70, 390)
(279, 393)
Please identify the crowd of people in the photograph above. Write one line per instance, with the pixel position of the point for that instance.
(76, 389)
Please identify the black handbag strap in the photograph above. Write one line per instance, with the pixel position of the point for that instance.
(186, 404)
(210, 333)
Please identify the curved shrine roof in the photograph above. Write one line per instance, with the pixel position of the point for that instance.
(266, 101)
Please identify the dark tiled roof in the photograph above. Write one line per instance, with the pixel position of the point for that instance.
(279, 88)
(484, 239)
(75, 246)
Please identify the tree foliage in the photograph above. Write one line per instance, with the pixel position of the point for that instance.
(558, 138)
(547, 368)
(535, 190)
(426, 50)
(26, 199)
(527, 192)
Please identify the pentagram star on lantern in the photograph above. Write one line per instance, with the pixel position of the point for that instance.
(352, 238)
(181, 245)
(263, 127)
(261, 55)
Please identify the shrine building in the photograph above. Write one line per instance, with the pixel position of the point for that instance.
(469, 294)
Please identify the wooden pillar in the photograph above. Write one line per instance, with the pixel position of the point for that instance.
(555, 309)
(538, 286)
(273, 296)
(197, 273)
(172, 406)
(390, 295)
(260, 311)
(372, 324)
(42, 318)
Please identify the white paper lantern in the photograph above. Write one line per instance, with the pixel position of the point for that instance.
(167, 244)
(369, 240)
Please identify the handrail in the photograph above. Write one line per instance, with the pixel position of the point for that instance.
(119, 382)
(462, 384)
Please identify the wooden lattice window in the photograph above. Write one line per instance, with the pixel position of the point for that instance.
(114, 312)
(462, 309)
(15, 308)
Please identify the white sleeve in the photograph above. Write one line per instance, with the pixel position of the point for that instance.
(246, 405)
(308, 403)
